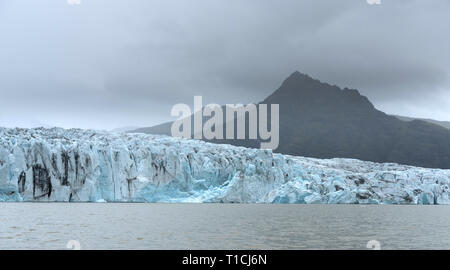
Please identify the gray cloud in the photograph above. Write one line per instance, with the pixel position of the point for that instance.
(112, 63)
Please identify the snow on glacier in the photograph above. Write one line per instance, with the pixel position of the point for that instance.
(85, 165)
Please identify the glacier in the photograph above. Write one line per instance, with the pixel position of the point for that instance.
(73, 165)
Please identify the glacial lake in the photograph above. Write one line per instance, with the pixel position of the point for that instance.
(221, 226)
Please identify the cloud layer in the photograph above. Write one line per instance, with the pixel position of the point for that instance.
(111, 63)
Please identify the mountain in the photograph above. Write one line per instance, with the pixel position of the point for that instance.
(324, 121)
(161, 129)
(94, 166)
(445, 124)
(124, 129)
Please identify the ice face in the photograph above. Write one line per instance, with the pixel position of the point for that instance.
(92, 166)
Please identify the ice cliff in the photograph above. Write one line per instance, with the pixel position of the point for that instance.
(84, 165)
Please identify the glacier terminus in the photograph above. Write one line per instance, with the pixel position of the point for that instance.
(59, 165)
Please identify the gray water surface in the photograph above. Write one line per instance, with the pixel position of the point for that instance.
(222, 226)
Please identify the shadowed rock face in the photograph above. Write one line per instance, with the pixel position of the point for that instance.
(21, 182)
(323, 121)
(84, 165)
(42, 185)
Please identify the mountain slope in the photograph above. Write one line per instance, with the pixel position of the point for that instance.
(323, 121)
(445, 124)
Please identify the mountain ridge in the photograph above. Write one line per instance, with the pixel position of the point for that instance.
(321, 120)
(445, 124)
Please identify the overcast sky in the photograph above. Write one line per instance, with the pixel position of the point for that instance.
(111, 63)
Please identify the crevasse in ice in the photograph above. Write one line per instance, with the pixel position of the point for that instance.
(94, 166)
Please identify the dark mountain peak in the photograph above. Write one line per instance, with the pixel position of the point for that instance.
(297, 74)
(300, 84)
(303, 82)
(298, 78)
(321, 120)
(301, 89)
